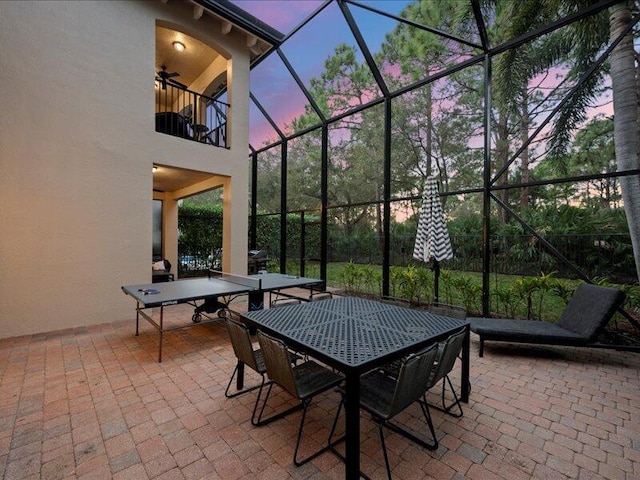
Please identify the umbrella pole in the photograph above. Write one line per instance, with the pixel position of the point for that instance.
(436, 271)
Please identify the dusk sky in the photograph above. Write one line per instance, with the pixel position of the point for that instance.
(307, 51)
(309, 48)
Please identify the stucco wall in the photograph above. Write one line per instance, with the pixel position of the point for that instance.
(77, 142)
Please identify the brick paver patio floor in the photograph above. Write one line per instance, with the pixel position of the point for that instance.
(93, 403)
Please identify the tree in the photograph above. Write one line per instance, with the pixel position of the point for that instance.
(594, 146)
(440, 118)
(578, 45)
(625, 78)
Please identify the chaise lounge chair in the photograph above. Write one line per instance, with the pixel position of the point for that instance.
(585, 316)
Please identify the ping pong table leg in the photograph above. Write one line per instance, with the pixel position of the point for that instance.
(137, 316)
(160, 333)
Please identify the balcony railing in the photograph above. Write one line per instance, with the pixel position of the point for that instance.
(186, 114)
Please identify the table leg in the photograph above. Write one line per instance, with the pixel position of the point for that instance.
(352, 426)
(240, 376)
(160, 332)
(464, 394)
(137, 316)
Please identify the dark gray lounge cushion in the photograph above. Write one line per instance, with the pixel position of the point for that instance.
(532, 331)
(586, 314)
(590, 309)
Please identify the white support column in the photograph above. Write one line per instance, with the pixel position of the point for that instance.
(170, 233)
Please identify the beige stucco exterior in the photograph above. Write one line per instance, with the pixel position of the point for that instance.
(77, 144)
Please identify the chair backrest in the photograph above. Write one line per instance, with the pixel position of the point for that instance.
(396, 301)
(590, 309)
(241, 340)
(412, 380)
(285, 302)
(446, 310)
(315, 297)
(448, 352)
(276, 359)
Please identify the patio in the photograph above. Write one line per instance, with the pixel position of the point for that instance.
(94, 403)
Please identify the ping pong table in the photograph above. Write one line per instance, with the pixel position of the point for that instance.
(218, 284)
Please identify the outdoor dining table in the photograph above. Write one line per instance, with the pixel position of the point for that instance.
(354, 335)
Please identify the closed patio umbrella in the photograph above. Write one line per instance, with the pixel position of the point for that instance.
(432, 239)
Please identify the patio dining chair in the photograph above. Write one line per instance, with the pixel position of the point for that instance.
(316, 297)
(384, 397)
(247, 355)
(451, 311)
(303, 381)
(448, 352)
(396, 301)
(285, 302)
(447, 310)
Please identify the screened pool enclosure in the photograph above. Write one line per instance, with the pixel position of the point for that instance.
(526, 112)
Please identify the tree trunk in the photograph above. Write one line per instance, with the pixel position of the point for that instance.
(524, 156)
(625, 121)
(501, 158)
(429, 133)
(379, 226)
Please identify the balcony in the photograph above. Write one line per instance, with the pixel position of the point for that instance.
(190, 115)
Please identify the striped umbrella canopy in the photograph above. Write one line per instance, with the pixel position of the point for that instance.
(432, 239)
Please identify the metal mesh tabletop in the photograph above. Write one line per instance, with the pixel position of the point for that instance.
(294, 317)
(354, 331)
(412, 321)
(351, 341)
(351, 306)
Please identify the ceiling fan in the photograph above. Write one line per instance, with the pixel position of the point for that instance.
(167, 78)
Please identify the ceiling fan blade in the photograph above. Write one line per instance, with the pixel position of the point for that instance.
(164, 74)
(163, 82)
(165, 77)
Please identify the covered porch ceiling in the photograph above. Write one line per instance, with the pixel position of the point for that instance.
(167, 179)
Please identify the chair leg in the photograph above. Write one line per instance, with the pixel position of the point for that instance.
(405, 433)
(384, 449)
(244, 390)
(481, 353)
(456, 400)
(255, 406)
(446, 408)
(329, 446)
(427, 417)
(335, 423)
(257, 422)
(396, 428)
(297, 462)
(233, 375)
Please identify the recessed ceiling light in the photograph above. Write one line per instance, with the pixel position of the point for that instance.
(179, 46)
